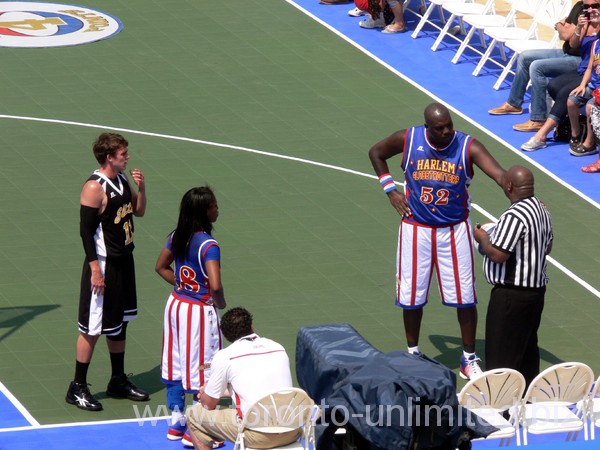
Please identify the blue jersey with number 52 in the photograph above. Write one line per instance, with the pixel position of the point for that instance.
(437, 181)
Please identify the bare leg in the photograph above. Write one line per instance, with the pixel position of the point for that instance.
(548, 126)
(590, 139)
(467, 319)
(398, 15)
(412, 325)
(84, 349)
(398, 24)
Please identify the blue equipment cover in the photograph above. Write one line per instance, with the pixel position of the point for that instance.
(392, 400)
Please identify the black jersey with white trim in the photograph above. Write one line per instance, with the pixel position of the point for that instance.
(114, 235)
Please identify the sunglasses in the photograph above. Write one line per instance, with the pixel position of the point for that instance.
(593, 6)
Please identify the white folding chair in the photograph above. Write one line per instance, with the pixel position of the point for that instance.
(490, 395)
(426, 17)
(281, 411)
(547, 17)
(499, 35)
(548, 404)
(479, 22)
(420, 8)
(457, 11)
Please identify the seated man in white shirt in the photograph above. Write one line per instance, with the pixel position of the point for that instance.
(250, 368)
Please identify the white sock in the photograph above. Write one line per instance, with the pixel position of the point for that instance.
(177, 418)
(468, 355)
(414, 349)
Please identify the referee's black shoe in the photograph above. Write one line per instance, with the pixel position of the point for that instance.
(120, 387)
(80, 396)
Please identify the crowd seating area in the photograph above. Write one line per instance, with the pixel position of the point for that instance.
(517, 25)
(526, 25)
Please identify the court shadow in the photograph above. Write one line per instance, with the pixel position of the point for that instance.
(149, 380)
(549, 357)
(450, 348)
(13, 318)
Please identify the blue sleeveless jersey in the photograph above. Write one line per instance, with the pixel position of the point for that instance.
(437, 181)
(191, 277)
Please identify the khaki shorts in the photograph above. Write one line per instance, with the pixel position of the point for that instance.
(222, 425)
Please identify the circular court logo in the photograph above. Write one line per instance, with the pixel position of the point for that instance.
(30, 24)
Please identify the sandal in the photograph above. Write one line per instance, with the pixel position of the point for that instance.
(574, 142)
(592, 168)
(582, 150)
(391, 30)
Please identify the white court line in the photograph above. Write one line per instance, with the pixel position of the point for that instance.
(79, 424)
(195, 141)
(449, 106)
(17, 404)
(551, 260)
(569, 273)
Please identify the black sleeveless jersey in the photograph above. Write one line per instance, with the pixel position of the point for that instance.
(114, 235)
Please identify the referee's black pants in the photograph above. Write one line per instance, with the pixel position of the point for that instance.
(511, 325)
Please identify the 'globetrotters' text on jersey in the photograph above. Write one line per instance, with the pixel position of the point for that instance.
(437, 181)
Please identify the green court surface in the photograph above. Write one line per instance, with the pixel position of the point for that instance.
(242, 96)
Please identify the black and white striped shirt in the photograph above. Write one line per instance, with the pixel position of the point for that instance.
(525, 231)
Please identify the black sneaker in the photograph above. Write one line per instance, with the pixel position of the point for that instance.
(80, 396)
(120, 387)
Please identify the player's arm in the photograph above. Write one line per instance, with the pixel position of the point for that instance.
(216, 387)
(379, 154)
(139, 197)
(213, 268)
(486, 162)
(92, 203)
(164, 266)
(206, 400)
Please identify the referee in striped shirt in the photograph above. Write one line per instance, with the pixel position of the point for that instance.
(515, 263)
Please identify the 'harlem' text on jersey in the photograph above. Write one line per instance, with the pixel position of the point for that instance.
(114, 235)
(437, 181)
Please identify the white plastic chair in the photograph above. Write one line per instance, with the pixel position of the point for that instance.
(281, 411)
(593, 408)
(547, 17)
(548, 404)
(457, 11)
(490, 395)
(500, 35)
(479, 22)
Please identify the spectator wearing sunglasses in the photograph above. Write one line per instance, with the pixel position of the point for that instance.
(560, 88)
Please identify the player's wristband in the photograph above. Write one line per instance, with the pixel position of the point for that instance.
(387, 183)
